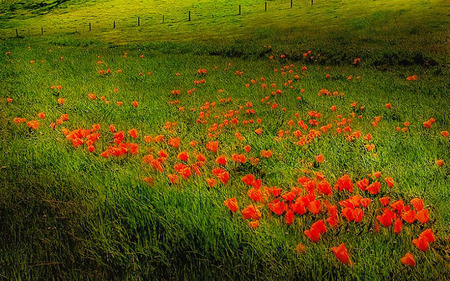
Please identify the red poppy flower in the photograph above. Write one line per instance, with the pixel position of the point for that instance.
(389, 182)
(173, 178)
(133, 133)
(254, 224)
(417, 203)
(231, 204)
(428, 235)
(314, 207)
(212, 146)
(363, 184)
(300, 248)
(409, 216)
(358, 214)
(319, 226)
(248, 179)
(365, 202)
(221, 160)
(408, 259)
(398, 225)
(277, 206)
(423, 216)
(251, 212)
(174, 142)
(266, 153)
(342, 254)
(256, 195)
(386, 218)
(33, 124)
(299, 207)
(222, 175)
(319, 158)
(397, 205)
(289, 217)
(344, 183)
(275, 191)
(158, 138)
(289, 196)
(347, 213)
(385, 201)
(374, 188)
(313, 234)
(149, 180)
(239, 158)
(421, 243)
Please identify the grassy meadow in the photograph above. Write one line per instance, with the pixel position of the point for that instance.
(303, 143)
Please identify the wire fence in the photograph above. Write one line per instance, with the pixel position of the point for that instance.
(149, 20)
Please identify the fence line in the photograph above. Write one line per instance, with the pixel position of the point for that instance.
(20, 32)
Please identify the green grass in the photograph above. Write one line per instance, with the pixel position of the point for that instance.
(66, 213)
(396, 29)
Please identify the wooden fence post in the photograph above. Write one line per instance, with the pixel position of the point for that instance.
(90, 26)
(239, 9)
(189, 16)
(265, 6)
(42, 31)
(17, 33)
(291, 3)
(114, 25)
(312, 2)
(139, 21)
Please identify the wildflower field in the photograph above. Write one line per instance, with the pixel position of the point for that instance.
(265, 155)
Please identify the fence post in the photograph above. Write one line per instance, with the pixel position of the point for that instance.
(312, 2)
(239, 9)
(17, 33)
(291, 3)
(42, 31)
(163, 18)
(114, 25)
(139, 21)
(189, 16)
(265, 6)
(90, 26)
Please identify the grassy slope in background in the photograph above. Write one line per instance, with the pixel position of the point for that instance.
(394, 30)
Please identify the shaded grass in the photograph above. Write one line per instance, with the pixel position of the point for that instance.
(69, 214)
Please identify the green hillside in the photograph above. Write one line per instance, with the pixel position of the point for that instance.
(359, 27)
